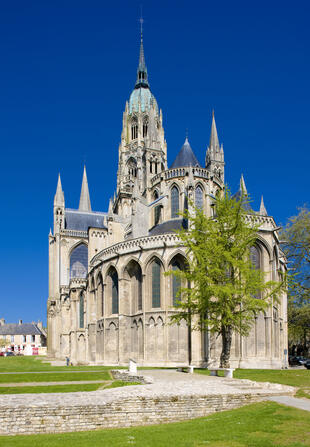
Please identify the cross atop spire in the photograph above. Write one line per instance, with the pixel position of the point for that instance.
(84, 197)
(142, 80)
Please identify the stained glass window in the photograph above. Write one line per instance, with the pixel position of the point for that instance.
(79, 262)
(199, 197)
(156, 283)
(174, 202)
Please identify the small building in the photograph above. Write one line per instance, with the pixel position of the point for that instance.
(23, 338)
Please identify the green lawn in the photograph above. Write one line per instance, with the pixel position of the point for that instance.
(259, 425)
(35, 363)
(64, 388)
(54, 377)
(300, 378)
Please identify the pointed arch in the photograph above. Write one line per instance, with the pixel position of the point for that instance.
(112, 290)
(175, 201)
(79, 261)
(134, 272)
(156, 283)
(134, 128)
(199, 196)
(145, 126)
(177, 263)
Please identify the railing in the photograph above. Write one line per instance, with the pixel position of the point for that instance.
(181, 172)
(76, 233)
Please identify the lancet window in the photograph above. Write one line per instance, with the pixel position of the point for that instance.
(79, 262)
(156, 283)
(82, 310)
(134, 129)
(199, 197)
(174, 202)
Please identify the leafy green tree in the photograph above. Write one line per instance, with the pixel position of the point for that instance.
(225, 289)
(296, 246)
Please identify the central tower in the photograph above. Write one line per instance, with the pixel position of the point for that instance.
(143, 149)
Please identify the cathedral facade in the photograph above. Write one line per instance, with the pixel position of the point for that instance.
(109, 300)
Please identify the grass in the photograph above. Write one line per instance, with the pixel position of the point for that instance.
(259, 425)
(54, 377)
(64, 388)
(35, 363)
(299, 378)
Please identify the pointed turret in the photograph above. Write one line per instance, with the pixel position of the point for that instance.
(262, 209)
(214, 140)
(84, 197)
(185, 157)
(142, 80)
(215, 153)
(59, 199)
(242, 186)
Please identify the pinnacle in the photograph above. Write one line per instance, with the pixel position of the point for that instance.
(262, 209)
(214, 140)
(59, 196)
(242, 186)
(84, 197)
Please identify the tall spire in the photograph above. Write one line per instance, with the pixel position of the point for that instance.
(214, 140)
(142, 80)
(84, 197)
(242, 186)
(59, 196)
(262, 209)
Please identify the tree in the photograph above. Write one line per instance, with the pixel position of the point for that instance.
(225, 289)
(296, 246)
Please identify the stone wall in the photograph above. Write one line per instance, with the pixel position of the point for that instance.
(125, 412)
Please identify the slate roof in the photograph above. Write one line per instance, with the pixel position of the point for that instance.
(79, 220)
(185, 157)
(246, 205)
(20, 329)
(168, 227)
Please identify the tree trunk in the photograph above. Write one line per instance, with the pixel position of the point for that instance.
(226, 333)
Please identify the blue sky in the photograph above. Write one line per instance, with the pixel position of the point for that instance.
(67, 68)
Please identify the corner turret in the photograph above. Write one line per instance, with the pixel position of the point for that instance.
(215, 153)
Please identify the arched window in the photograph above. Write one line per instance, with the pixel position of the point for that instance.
(199, 197)
(114, 278)
(134, 129)
(112, 283)
(81, 310)
(174, 202)
(135, 276)
(132, 167)
(157, 212)
(156, 283)
(79, 262)
(100, 297)
(176, 282)
(145, 127)
(255, 257)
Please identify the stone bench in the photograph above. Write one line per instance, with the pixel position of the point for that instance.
(228, 372)
(187, 369)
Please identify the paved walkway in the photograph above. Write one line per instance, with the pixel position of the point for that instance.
(302, 404)
(163, 383)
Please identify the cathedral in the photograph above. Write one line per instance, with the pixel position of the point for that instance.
(109, 300)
